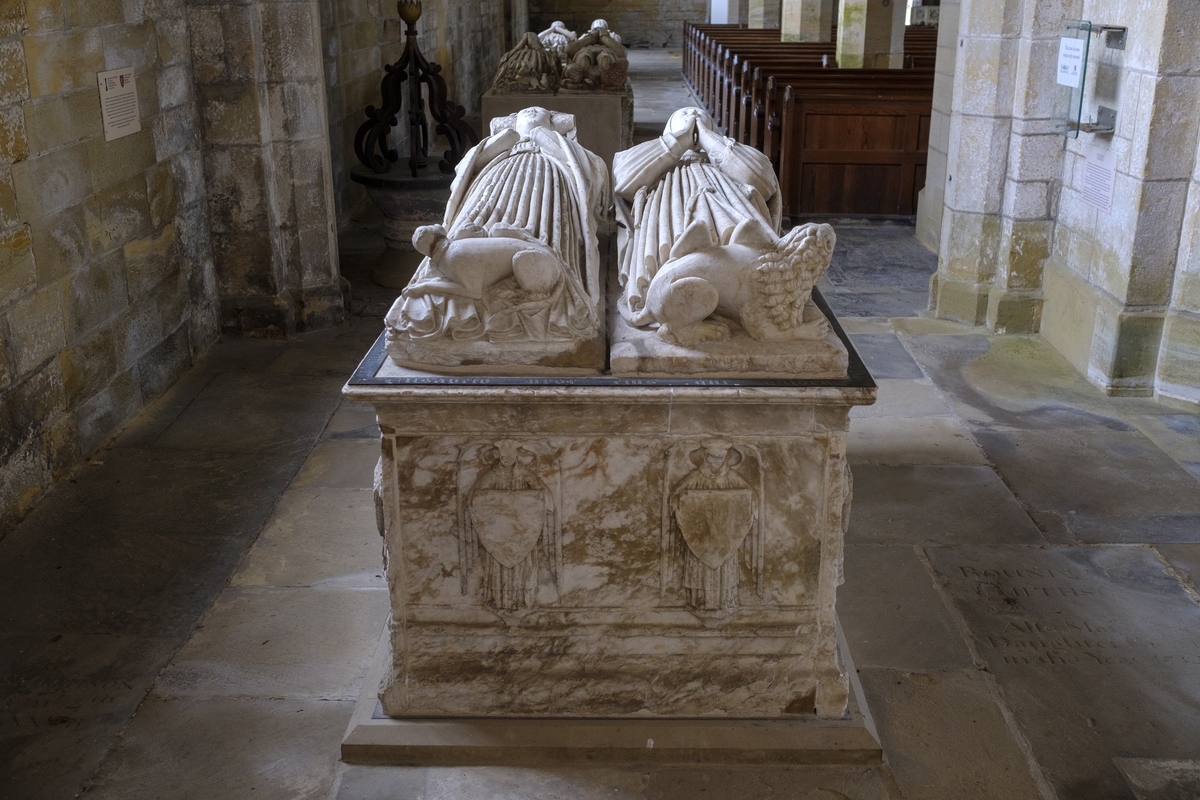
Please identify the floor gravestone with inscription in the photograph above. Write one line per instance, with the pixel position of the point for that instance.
(1103, 628)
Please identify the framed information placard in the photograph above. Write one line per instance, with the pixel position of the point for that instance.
(1071, 76)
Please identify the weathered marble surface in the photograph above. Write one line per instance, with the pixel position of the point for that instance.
(597, 551)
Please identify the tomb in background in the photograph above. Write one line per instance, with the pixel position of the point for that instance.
(585, 76)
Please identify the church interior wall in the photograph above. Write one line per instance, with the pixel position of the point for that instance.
(1020, 250)
(640, 23)
(107, 282)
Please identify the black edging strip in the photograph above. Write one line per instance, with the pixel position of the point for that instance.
(858, 378)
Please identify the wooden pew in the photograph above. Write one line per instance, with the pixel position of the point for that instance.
(842, 141)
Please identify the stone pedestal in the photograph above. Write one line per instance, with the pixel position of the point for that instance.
(605, 118)
(612, 547)
(406, 204)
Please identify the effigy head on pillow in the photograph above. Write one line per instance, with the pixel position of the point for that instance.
(511, 278)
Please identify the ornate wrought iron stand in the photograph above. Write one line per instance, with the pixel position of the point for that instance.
(371, 143)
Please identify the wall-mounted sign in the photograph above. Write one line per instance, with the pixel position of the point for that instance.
(118, 103)
(1099, 177)
(1070, 62)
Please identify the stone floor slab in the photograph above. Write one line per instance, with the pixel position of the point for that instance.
(62, 701)
(946, 505)
(1178, 435)
(1107, 486)
(330, 352)
(99, 580)
(853, 302)
(255, 412)
(885, 356)
(380, 783)
(352, 421)
(798, 783)
(892, 614)
(857, 325)
(317, 537)
(1185, 560)
(265, 642)
(946, 737)
(340, 464)
(901, 441)
(901, 397)
(225, 748)
(494, 783)
(1153, 779)
(1094, 649)
(1012, 382)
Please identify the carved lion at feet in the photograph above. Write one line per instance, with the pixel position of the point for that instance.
(475, 259)
(761, 282)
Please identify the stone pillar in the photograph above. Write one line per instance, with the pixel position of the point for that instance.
(1114, 304)
(870, 34)
(262, 103)
(932, 198)
(806, 20)
(976, 159)
(723, 12)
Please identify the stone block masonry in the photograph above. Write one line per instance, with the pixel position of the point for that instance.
(107, 283)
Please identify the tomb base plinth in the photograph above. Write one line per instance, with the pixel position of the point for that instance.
(375, 739)
(606, 547)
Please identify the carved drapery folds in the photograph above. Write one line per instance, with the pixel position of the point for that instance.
(699, 245)
(516, 260)
(712, 522)
(509, 526)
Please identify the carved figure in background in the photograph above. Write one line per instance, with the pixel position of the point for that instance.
(505, 514)
(527, 68)
(516, 258)
(596, 60)
(711, 514)
(699, 245)
(556, 38)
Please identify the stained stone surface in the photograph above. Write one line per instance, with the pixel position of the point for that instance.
(603, 504)
(936, 504)
(902, 621)
(946, 736)
(1094, 649)
(1160, 779)
(1124, 489)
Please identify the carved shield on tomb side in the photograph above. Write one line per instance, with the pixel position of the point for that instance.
(712, 507)
(508, 522)
(715, 522)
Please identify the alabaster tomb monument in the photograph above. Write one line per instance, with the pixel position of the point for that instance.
(565, 542)
(585, 76)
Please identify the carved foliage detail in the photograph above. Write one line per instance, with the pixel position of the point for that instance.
(712, 522)
(508, 520)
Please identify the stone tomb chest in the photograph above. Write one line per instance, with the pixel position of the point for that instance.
(612, 547)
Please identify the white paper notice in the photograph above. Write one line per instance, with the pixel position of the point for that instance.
(1099, 176)
(1070, 61)
(118, 103)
